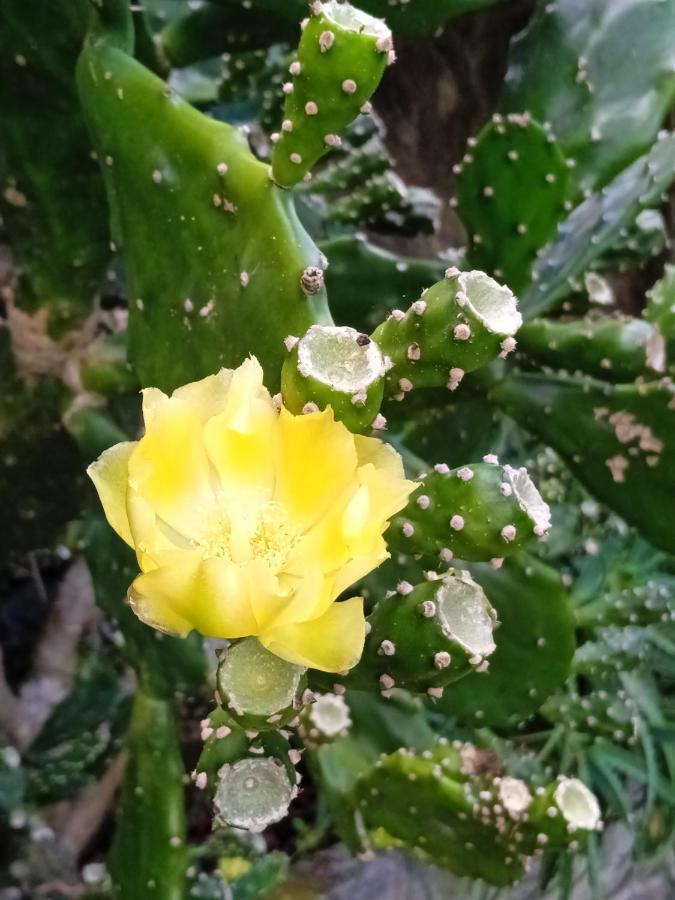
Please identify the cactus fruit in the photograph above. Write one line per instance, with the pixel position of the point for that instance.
(613, 348)
(251, 776)
(423, 638)
(510, 193)
(261, 691)
(458, 325)
(605, 105)
(479, 511)
(594, 226)
(336, 366)
(214, 202)
(340, 60)
(535, 644)
(620, 447)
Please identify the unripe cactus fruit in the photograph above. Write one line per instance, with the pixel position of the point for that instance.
(565, 808)
(260, 690)
(251, 776)
(427, 636)
(341, 57)
(336, 366)
(458, 325)
(479, 511)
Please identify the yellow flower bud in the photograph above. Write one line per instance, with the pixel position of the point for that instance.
(248, 520)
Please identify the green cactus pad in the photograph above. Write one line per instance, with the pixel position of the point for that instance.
(614, 348)
(479, 511)
(598, 714)
(432, 804)
(260, 690)
(474, 823)
(335, 366)
(458, 325)
(423, 638)
(52, 198)
(535, 643)
(596, 224)
(601, 73)
(510, 194)
(341, 58)
(208, 242)
(621, 445)
(148, 857)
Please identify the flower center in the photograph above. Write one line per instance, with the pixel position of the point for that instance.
(265, 532)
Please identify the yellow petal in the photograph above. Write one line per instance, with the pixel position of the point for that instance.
(170, 468)
(382, 455)
(209, 395)
(331, 643)
(109, 474)
(359, 567)
(316, 462)
(209, 595)
(151, 537)
(387, 493)
(153, 402)
(240, 440)
(245, 394)
(323, 545)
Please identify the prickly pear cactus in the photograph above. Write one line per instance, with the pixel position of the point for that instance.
(507, 223)
(395, 499)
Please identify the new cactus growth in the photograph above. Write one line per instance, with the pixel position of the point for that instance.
(260, 690)
(425, 637)
(457, 325)
(338, 367)
(479, 511)
(510, 193)
(324, 720)
(341, 57)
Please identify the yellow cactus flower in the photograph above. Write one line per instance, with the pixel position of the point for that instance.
(248, 520)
